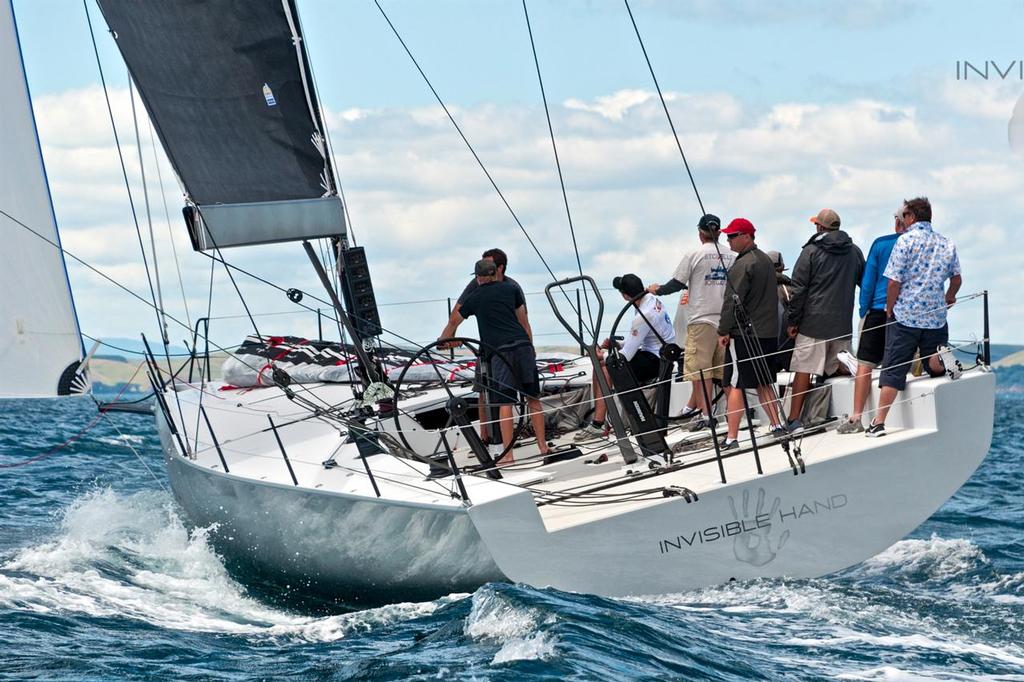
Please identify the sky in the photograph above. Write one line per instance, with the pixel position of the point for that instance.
(783, 108)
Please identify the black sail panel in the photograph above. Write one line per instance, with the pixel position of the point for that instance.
(228, 87)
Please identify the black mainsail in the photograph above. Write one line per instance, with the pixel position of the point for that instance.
(228, 87)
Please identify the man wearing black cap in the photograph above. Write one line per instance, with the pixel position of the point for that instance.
(703, 270)
(650, 326)
(507, 339)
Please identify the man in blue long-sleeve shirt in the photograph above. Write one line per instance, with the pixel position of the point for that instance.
(871, 346)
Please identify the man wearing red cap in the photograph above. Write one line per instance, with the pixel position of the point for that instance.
(749, 325)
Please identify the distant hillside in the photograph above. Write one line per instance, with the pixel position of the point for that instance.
(1006, 355)
(110, 376)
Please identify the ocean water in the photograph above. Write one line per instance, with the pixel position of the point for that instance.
(99, 579)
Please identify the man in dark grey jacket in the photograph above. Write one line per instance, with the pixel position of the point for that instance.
(820, 311)
(749, 326)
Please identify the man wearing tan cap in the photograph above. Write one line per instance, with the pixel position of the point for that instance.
(820, 311)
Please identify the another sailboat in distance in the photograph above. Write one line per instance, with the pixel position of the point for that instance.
(41, 351)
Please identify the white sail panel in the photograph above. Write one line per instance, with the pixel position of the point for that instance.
(39, 335)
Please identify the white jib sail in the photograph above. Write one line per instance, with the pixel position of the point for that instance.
(40, 344)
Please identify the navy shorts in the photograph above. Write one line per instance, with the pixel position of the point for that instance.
(645, 366)
(901, 342)
(871, 346)
(514, 373)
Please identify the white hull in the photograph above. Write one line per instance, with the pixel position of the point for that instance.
(857, 497)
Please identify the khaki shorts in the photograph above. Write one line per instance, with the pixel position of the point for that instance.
(702, 353)
(815, 356)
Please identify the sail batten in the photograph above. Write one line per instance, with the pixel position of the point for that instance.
(40, 344)
(228, 88)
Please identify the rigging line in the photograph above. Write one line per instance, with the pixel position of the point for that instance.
(664, 106)
(206, 369)
(558, 163)
(124, 170)
(167, 216)
(149, 214)
(472, 151)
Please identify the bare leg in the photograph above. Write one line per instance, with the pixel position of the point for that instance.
(537, 419)
(481, 410)
(886, 397)
(734, 406)
(600, 408)
(861, 390)
(767, 396)
(507, 429)
(801, 384)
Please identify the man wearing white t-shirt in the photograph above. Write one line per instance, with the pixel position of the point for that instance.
(703, 271)
(641, 347)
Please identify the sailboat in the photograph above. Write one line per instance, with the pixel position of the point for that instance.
(41, 351)
(381, 488)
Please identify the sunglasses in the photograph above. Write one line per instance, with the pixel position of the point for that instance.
(730, 237)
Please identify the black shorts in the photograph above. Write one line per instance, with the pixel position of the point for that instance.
(513, 373)
(645, 366)
(747, 369)
(900, 345)
(871, 346)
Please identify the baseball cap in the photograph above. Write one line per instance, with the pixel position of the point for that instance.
(827, 218)
(629, 284)
(709, 222)
(776, 258)
(739, 226)
(485, 268)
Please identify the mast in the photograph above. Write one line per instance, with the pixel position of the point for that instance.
(41, 350)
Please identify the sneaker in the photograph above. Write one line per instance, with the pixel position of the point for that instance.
(850, 427)
(588, 433)
(780, 431)
(875, 430)
(690, 413)
(792, 426)
(727, 444)
(849, 362)
(953, 367)
(700, 424)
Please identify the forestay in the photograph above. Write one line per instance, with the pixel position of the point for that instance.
(228, 87)
(40, 344)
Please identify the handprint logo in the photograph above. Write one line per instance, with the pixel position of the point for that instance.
(755, 547)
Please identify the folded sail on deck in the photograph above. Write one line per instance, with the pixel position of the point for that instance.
(40, 343)
(228, 87)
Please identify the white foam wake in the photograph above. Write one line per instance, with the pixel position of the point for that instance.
(934, 559)
(131, 557)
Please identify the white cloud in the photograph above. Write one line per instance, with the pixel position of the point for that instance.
(424, 210)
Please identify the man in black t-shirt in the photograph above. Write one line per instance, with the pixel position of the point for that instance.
(507, 339)
(500, 260)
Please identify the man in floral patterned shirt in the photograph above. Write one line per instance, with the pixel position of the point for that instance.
(921, 262)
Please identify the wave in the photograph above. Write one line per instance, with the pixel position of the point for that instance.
(494, 619)
(129, 556)
(934, 559)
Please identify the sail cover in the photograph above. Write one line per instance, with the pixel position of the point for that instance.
(40, 344)
(228, 86)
